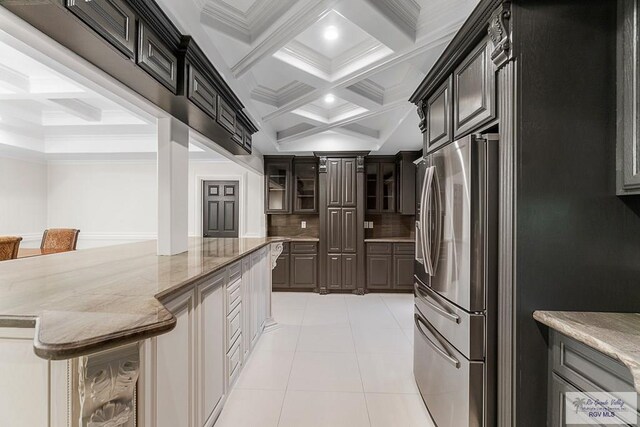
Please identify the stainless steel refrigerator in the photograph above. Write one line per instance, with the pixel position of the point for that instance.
(456, 281)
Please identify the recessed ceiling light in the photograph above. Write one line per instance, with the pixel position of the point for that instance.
(331, 33)
(329, 99)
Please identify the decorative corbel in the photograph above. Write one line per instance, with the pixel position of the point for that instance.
(322, 168)
(500, 33)
(360, 164)
(423, 115)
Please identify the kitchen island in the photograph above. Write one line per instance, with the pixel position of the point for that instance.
(122, 335)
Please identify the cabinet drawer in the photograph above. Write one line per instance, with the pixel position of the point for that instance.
(588, 369)
(234, 294)
(473, 89)
(235, 271)
(403, 248)
(379, 248)
(226, 116)
(157, 59)
(234, 361)
(112, 19)
(304, 248)
(201, 92)
(438, 116)
(234, 326)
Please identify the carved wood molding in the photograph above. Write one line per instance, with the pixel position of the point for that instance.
(360, 164)
(500, 33)
(421, 114)
(276, 251)
(104, 388)
(322, 167)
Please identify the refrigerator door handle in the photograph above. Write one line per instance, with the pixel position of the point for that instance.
(438, 223)
(418, 244)
(444, 312)
(443, 353)
(425, 220)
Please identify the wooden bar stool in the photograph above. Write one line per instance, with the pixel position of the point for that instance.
(60, 239)
(9, 247)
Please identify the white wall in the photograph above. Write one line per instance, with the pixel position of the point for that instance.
(110, 202)
(252, 218)
(23, 199)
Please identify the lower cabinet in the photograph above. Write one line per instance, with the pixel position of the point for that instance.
(389, 266)
(188, 372)
(575, 367)
(297, 267)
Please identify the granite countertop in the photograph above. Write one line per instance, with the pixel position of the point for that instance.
(88, 300)
(391, 240)
(615, 334)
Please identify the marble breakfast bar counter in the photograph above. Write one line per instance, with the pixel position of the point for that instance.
(125, 337)
(88, 300)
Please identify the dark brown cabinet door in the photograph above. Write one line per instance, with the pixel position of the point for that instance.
(349, 230)
(334, 230)
(220, 209)
(372, 171)
(280, 274)
(379, 269)
(334, 271)
(305, 187)
(438, 116)
(201, 92)
(349, 271)
(303, 270)
(277, 182)
(387, 187)
(157, 59)
(406, 183)
(334, 182)
(349, 187)
(403, 272)
(474, 91)
(112, 19)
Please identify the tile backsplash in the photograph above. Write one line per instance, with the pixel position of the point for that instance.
(290, 225)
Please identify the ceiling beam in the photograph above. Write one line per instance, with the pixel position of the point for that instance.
(78, 108)
(13, 80)
(359, 131)
(437, 41)
(340, 123)
(307, 14)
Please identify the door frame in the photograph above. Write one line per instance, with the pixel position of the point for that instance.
(242, 201)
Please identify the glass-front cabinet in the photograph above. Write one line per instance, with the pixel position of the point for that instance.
(305, 186)
(381, 185)
(277, 184)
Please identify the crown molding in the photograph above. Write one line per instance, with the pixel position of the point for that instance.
(403, 13)
(361, 130)
(369, 89)
(279, 97)
(294, 130)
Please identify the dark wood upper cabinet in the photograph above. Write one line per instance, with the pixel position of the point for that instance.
(474, 91)
(112, 19)
(349, 188)
(226, 115)
(201, 92)
(406, 182)
(438, 116)
(380, 185)
(156, 58)
(277, 185)
(334, 182)
(628, 147)
(305, 186)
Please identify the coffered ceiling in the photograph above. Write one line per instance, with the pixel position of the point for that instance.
(324, 74)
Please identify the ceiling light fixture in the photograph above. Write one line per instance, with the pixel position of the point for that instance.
(331, 33)
(329, 99)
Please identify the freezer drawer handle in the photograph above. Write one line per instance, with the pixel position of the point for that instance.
(445, 355)
(451, 316)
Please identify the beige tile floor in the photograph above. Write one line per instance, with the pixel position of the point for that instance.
(334, 361)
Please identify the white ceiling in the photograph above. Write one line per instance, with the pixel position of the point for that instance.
(276, 58)
(45, 114)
